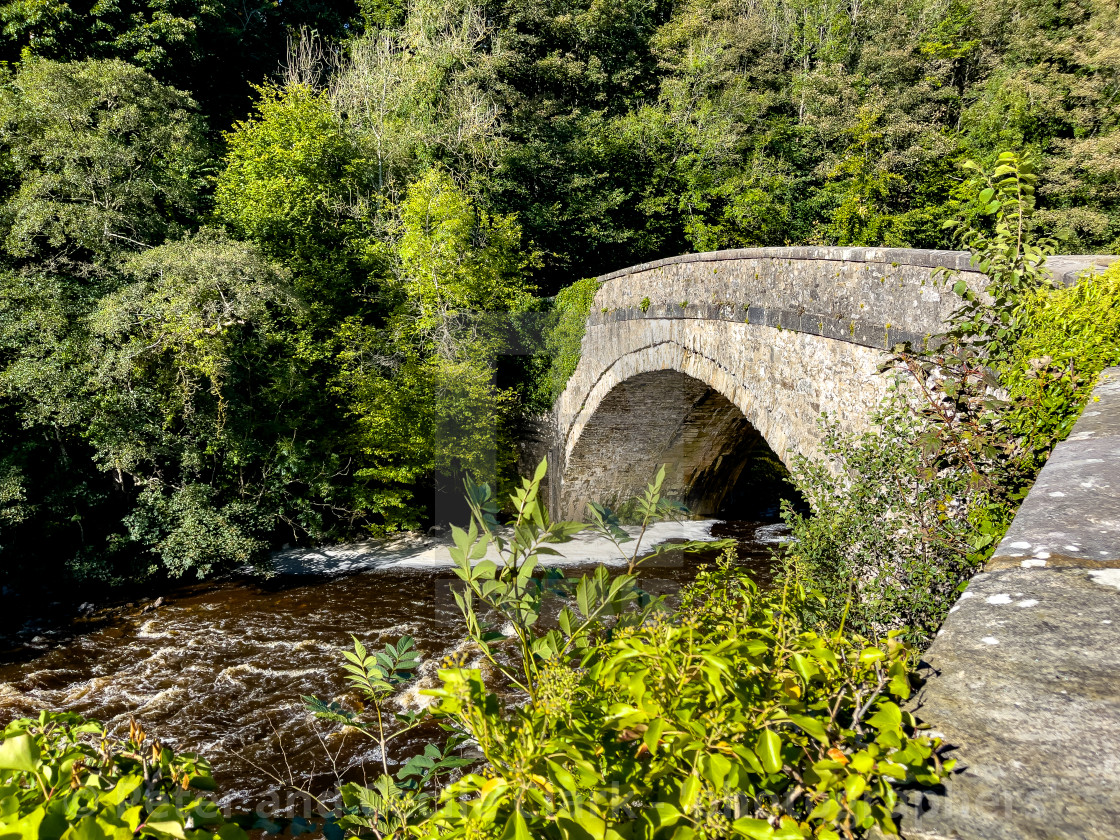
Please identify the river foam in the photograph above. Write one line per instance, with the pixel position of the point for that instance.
(413, 552)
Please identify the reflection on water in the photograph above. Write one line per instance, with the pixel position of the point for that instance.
(220, 669)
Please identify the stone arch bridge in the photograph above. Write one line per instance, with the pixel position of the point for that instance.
(698, 360)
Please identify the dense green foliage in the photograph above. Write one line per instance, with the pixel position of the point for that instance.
(62, 776)
(1069, 335)
(728, 717)
(565, 335)
(214, 48)
(905, 514)
(361, 201)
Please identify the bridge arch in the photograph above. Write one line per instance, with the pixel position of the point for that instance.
(699, 397)
(693, 360)
(659, 417)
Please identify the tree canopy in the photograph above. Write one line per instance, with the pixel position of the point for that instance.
(279, 272)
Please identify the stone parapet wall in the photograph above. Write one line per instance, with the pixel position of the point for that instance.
(874, 304)
(1023, 679)
(875, 297)
(1064, 268)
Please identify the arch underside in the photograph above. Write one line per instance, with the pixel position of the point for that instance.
(663, 417)
(701, 398)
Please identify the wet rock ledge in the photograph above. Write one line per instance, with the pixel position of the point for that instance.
(1024, 677)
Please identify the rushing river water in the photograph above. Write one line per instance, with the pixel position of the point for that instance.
(220, 668)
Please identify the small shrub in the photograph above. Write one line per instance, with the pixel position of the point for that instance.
(890, 537)
(1069, 334)
(644, 305)
(728, 719)
(62, 776)
(390, 805)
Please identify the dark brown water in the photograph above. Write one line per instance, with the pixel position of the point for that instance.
(220, 669)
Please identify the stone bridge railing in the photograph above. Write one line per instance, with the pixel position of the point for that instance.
(873, 297)
(1023, 681)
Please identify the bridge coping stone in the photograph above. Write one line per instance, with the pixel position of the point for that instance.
(1024, 677)
(1065, 267)
(874, 297)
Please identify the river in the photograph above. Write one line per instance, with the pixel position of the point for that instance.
(219, 668)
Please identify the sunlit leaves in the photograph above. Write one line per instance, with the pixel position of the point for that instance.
(61, 775)
(732, 701)
(379, 672)
(108, 161)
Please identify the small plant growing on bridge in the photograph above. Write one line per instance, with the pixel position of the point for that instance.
(644, 305)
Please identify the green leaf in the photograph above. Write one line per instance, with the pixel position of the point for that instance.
(804, 668)
(755, 829)
(516, 827)
(812, 727)
(826, 811)
(26, 827)
(20, 752)
(854, 786)
(887, 717)
(652, 736)
(715, 768)
(899, 684)
(123, 789)
(85, 829)
(689, 791)
(769, 750)
(165, 820)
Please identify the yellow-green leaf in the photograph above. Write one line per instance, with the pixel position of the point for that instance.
(769, 750)
(19, 753)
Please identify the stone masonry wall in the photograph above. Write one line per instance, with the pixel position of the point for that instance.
(780, 380)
